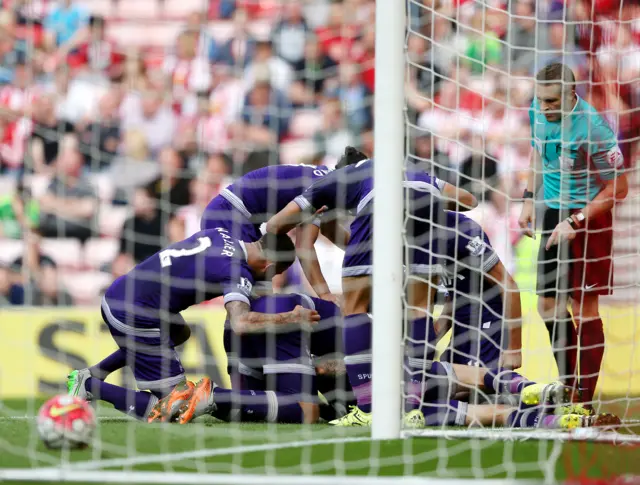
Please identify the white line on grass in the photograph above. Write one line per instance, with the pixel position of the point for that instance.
(208, 452)
(62, 475)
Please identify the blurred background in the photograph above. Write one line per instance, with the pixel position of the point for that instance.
(120, 120)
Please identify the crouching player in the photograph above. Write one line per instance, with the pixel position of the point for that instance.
(142, 311)
(482, 298)
(275, 378)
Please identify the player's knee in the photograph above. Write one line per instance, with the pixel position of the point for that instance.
(310, 412)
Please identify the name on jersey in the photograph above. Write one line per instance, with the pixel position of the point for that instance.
(228, 249)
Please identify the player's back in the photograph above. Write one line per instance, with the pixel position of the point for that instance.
(194, 270)
(268, 190)
(467, 255)
(327, 333)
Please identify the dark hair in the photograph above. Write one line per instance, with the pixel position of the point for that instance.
(96, 21)
(279, 249)
(556, 73)
(351, 156)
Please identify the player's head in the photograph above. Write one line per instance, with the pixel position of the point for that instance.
(351, 156)
(276, 253)
(555, 90)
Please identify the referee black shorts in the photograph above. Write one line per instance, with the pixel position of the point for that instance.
(553, 264)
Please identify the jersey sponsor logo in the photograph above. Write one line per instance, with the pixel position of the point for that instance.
(566, 163)
(614, 157)
(476, 246)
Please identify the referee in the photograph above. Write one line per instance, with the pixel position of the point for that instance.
(582, 178)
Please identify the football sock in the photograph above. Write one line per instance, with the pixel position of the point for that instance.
(128, 401)
(248, 405)
(591, 353)
(357, 350)
(113, 362)
(444, 413)
(505, 381)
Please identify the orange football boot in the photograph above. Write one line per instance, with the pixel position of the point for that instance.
(201, 402)
(167, 408)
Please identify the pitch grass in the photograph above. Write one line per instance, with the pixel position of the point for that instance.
(121, 439)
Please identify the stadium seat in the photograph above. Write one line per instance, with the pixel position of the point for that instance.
(296, 151)
(104, 8)
(10, 250)
(181, 8)
(305, 123)
(155, 34)
(111, 219)
(65, 252)
(7, 185)
(100, 251)
(103, 184)
(138, 9)
(85, 286)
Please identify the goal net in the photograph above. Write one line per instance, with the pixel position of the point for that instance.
(120, 121)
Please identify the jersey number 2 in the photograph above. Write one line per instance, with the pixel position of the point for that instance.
(167, 254)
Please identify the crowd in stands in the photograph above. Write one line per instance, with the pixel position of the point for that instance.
(120, 120)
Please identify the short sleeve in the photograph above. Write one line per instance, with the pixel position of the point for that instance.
(343, 184)
(239, 288)
(604, 150)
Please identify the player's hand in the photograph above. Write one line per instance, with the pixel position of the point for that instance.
(320, 211)
(526, 221)
(511, 359)
(302, 315)
(562, 232)
(332, 298)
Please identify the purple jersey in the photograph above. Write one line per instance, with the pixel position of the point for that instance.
(204, 266)
(467, 255)
(264, 192)
(351, 189)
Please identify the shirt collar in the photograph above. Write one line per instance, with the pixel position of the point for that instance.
(244, 250)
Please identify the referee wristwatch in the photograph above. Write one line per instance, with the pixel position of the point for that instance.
(527, 194)
(575, 220)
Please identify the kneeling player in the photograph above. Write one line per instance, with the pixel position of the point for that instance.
(482, 295)
(276, 376)
(142, 310)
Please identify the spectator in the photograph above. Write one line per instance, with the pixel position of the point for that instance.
(187, 73)
(69, 206)
(12, 50)
(354, 96)
(11, 293)
(98, 55)
(514, 163)
(239, 49)
(38, 275)
(311, 74)
(99, 138)
(65, 27)
(333, 136)
(223, 109)
(265, 115)
(620, 60)
(484, 49)
(48, 134)
(18, 212)
(561, 49)
(522, 35)
(134, 76)
(289, 35)
(142, 233)
(205, 187)
(171, 188)
(206, 45)
(281, 73)
(427, 156)
(147, 113)
(363, 54)
(75, 97)
(337, 37)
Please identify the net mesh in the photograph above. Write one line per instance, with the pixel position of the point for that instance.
(121, 121)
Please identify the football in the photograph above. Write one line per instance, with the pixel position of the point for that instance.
(66, 422)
